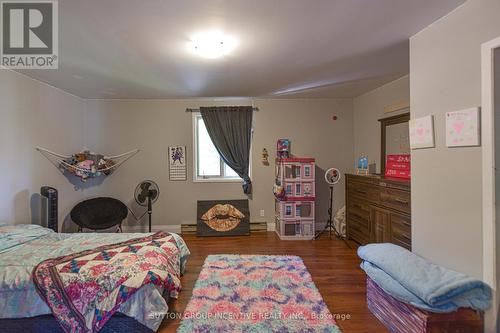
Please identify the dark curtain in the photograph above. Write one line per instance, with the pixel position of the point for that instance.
(230, 128)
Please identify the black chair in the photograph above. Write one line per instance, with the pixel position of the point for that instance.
(99, 213)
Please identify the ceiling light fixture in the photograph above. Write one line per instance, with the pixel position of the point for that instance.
(212, 44)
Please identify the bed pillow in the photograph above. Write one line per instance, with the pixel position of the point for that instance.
(13, 235)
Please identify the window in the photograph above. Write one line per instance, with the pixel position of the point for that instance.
(297, 210)
(209, 166)
(297, 190)
(307, 171)
(292, 171)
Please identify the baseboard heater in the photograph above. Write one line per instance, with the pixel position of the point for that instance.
(254, 227)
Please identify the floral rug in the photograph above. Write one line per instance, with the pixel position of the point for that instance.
(256, 293)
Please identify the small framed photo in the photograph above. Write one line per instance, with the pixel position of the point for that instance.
(422, 132)
(362, 166)
(463, 128)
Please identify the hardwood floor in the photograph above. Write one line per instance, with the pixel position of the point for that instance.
(333, 266)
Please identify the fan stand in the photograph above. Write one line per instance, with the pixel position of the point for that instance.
(329, 224)
(150, 210)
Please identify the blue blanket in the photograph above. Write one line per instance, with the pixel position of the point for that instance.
(411, 279)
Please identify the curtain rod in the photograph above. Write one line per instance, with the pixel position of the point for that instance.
(198, 110)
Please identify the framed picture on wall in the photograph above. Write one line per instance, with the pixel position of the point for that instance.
(223, 218)
(422, 132)
(462, 128)
(177, 163)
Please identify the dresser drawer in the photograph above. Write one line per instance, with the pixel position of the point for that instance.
(358, 232)
(396, 199)
(359, 224)
(401, 221)
(363, 191)
(359, 209)
(401, 241)
(401, 230)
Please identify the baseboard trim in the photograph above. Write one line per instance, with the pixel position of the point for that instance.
(170, 228)
(176, 228)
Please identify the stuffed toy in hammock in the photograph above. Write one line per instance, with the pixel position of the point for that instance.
(87, 164)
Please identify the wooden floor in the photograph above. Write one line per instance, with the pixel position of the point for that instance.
(333, 266)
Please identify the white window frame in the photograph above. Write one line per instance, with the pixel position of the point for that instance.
(212, 179)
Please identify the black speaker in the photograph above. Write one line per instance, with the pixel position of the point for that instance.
(51, 207)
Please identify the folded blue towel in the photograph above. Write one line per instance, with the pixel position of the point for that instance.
(414, 280)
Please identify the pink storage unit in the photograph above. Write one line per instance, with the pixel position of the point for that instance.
(295, 214)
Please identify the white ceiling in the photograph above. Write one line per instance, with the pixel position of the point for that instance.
(287, 48)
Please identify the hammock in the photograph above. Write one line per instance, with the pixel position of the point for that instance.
(87, 164)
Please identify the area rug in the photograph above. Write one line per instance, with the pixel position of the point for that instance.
(256, 293)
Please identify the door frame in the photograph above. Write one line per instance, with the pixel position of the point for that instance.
(488, 175)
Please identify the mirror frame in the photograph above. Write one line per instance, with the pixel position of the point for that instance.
(384, 122)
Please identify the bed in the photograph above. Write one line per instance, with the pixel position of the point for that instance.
(22, 247)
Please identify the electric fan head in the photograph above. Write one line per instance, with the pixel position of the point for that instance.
(146, 189)
(332, 176)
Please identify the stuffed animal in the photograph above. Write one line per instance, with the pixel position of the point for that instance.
(80, 157)
(107, 165)
(265, 157)
(86, 165)
(279, 191)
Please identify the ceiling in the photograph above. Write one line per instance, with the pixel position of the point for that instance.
(131, 49)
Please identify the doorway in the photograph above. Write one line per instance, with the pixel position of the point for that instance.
(490, 119)
(496, 112)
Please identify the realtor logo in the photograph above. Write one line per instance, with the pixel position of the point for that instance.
(29, 34)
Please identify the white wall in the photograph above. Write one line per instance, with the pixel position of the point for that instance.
(34, 114)
(445, 75)
(156, 124)
(368, 109)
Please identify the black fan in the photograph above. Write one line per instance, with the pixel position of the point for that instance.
(147, 193)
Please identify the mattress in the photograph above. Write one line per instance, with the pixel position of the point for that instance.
(22, 247)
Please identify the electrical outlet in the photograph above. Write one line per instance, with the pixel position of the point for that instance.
(262, 213)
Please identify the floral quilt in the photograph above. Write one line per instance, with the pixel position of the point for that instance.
(83, 290)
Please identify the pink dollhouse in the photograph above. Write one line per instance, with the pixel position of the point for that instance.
(295, 213)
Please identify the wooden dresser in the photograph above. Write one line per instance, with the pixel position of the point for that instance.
(378, 210)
